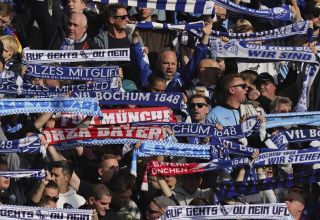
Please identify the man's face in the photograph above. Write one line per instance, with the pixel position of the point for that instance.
(76, 27)
(268, 89)
(120, 20)
(51, 194)
(238, 89)
(119, 200)
(294, 203)
(102, 205)
(168, 64)
(76, 6)
(198, 109)
(145, 12)
(4, 21)
(109, 168)
(59, 177)
(221, 13)
(4, 181)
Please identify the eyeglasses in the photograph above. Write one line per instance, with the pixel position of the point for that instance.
(53, 198)
(243, 86)
(122, 17)
(199, 105)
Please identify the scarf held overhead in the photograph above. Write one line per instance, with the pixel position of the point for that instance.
(206, 7)
(119, 116)
(236, 49)
(171, 100)
(252, 211)
(72, 73)
(21, 106)
(57, 135)
(12, 212)
(56, 56)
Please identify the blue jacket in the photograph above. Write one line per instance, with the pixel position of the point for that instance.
(180, 80)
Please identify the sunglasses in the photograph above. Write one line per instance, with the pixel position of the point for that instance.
(122, 17)
(243, 86)
(54, 198)
(199, 105)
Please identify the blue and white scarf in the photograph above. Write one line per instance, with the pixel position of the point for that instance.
(182, 129)
(72, 73)
(57, 56)
(36, 174)
(299, 28)
(171, 100)
(206, 7)
(236, 49)
(292, 118)
(233, 188)
(310, 74)
(278, 13)
(167, 26)
(13, 212)
(283, 137)
(244, 211)
(29, 144)
(38, 90)
(21, 106)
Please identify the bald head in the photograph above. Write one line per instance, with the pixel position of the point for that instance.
(168, 63)
(77, 26)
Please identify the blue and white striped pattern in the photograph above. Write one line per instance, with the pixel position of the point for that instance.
(206, 7)
(192, 6)
(167, 26)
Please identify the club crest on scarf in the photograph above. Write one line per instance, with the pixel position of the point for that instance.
(280, 12)
(231, 47)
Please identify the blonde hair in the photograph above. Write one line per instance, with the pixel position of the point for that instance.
(243, 26)
(10, 42)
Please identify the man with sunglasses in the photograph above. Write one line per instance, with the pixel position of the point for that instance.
(115, 35)
(198, 108)
(232, 92)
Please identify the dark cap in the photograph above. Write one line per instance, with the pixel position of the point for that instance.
(264, 78)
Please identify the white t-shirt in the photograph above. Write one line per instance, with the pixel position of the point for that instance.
(70, 197)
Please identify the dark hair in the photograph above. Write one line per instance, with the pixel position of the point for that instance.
(154, 77)
(99, 190)
(121, 183)
(111, 10)
(66, 166)
(7, 10)
(52, 185)
(223, 85)
(199, 201)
